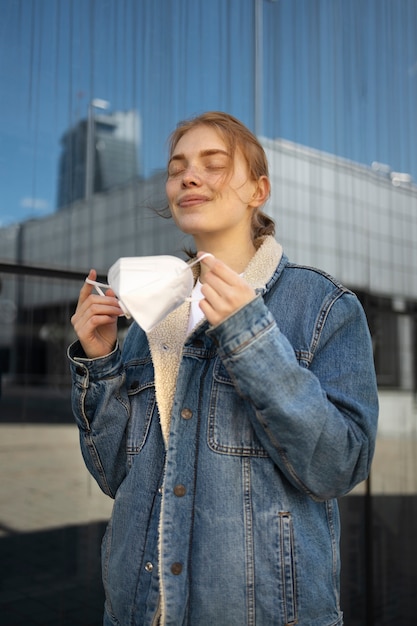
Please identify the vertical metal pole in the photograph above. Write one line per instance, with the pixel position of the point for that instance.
(89, 155)
(369, 555)
(258, 82)
(89, 185)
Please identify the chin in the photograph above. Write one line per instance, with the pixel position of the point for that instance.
(191, 226)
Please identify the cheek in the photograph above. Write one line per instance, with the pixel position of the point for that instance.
(170, 191)
(244, 190)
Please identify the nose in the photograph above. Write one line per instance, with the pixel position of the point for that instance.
(191, 177)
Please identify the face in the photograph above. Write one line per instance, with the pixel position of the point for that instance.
(210, 194)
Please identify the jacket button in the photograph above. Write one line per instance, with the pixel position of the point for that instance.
(180, 490)
(186, 414)
(80, 371)
(149, 567)
(176, 568)
(134, 384)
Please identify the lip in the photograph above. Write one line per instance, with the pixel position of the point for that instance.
(191, 200)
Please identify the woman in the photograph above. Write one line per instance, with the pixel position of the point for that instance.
(226, 432)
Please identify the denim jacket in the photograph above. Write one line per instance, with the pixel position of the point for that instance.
(232, 520)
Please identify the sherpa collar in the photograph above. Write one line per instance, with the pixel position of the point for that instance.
(166, 340)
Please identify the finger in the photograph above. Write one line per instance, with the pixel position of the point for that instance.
(224, 296)
(95, 306)
(213, 296)
(212, 316)
(102, 319)
(229, 286)
(87, 289)
(224, 280)
(218, 268)
(87, 320)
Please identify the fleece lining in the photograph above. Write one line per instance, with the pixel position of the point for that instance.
(166, 340)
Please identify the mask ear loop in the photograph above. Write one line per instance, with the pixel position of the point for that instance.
(203, 256)
(98, 287)
(200, 258)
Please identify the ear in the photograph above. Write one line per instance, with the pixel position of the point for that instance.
(261, 193)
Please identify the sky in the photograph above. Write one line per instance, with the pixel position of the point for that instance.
(336, 75)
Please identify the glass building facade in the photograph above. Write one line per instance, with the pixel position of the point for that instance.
(91, 90)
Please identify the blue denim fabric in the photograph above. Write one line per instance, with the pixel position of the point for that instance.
(274, 417)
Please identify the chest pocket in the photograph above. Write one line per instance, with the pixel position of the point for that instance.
(230, 429)
(140, 384)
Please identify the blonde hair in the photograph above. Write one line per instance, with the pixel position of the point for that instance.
(235, 136)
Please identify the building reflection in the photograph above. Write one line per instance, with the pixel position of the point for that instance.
(356, 222)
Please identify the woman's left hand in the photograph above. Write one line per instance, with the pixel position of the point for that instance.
(224, 291)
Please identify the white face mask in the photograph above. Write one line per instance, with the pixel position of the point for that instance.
(148, 288)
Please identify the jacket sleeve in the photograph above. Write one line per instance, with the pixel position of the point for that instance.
(318, 422)
(101, 409)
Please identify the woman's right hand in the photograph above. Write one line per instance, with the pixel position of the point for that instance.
(95, 320)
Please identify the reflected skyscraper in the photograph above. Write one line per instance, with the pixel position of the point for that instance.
(115, 148)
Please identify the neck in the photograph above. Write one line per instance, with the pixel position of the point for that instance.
(235, 255)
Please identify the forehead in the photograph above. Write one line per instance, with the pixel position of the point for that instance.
(199, 139)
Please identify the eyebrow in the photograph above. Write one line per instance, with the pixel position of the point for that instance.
(202, 153)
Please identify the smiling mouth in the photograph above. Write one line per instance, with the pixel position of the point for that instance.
(191, 201)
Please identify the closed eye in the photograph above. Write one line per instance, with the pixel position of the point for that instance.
(216, 167)
(175, 171)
